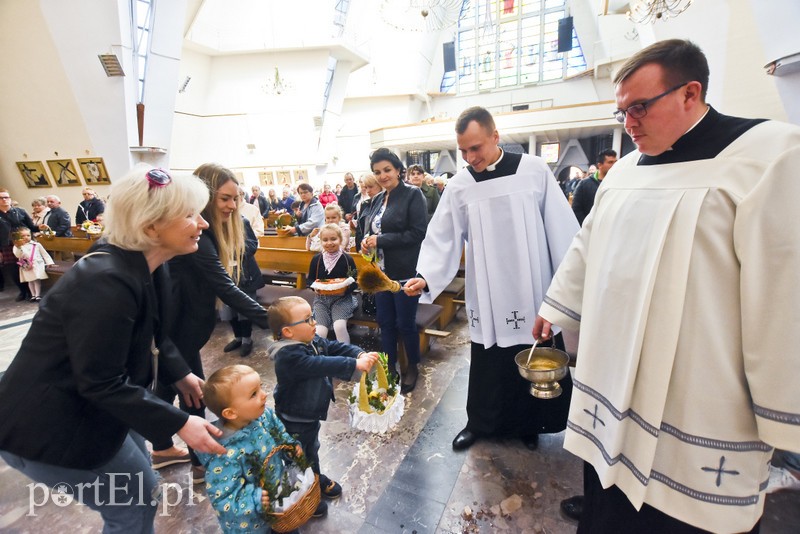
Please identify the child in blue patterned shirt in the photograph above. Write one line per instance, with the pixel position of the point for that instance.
(250, 431)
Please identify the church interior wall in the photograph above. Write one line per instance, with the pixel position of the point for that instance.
(57, 98)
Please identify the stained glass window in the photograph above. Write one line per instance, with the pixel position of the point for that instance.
(506, 43)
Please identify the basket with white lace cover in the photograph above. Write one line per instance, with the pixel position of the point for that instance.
(376, 405)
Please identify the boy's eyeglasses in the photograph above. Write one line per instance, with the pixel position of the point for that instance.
(158, 178)
(310, 320)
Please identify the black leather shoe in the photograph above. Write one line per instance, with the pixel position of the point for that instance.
(233, 345)
(409, 383)
(464, 440)
(573, 507)
(246, 349)
(408, 388)
(531, 442)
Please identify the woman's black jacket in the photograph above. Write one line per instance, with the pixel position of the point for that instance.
(403, 228)
(80, 380)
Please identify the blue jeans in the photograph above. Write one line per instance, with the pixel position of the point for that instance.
(397, 314)
(132, 506)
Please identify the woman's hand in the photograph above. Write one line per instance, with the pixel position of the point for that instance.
(264, 500)
(369, 243)
(199, 435)
(292, 230)
(415, 286)
(191, 387)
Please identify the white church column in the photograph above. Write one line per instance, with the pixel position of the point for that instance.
(616, 141)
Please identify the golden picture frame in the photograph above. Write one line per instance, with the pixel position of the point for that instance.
(300, 175)
(33, 173)
(94, 171)
(285, 178)
(266, 178)
(64, 172)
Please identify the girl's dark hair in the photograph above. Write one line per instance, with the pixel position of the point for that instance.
(384, 154)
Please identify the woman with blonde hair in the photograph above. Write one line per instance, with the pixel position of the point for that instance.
(76, 403)
(370, 189)
(200, 279)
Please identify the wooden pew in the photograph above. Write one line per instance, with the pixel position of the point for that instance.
(297, 261)
(275, 241)
(72, 247)
(75, 245)
(450, 299)
(294, 261)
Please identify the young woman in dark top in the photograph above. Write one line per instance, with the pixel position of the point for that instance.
(208, 274)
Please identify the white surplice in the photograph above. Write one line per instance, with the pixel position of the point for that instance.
(517, 229)
(684, 281)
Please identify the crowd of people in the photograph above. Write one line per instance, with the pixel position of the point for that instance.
(666, 268)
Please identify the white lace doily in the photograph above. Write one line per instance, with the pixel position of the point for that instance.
(376, 423)
(328, 286)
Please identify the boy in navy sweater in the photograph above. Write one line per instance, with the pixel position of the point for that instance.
(305, 365)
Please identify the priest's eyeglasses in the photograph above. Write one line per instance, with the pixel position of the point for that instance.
(637, 111)
(310, 320)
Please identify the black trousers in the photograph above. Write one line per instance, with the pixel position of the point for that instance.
(608, 511)
(12, 270)
(499, 402)
(308, 436)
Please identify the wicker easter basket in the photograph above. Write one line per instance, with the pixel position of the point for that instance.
(301, 511)
(332, 286)
(368, 418)
(283, 223)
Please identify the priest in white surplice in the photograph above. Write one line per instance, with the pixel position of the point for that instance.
(684, 283)
(517, 226)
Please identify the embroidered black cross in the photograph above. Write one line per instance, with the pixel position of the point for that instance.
(473, 318)
(594, 417)
(720, 471)
(516, 320)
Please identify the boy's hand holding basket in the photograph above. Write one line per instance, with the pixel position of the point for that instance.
(294, 496)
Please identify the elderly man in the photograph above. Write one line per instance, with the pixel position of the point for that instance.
(90, 207)
(259, 200)
(287, 200)
(57, 219)
(683, 281)
(517, 224)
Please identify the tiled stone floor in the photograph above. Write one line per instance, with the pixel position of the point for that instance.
(409, 481)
